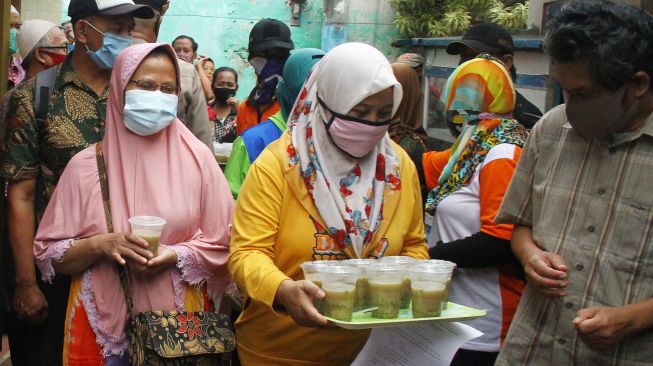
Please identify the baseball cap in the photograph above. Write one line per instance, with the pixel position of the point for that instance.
(270, 33)
(154, 4)
(31, 33)
(82, 8)
(411, 59)
(483, 37)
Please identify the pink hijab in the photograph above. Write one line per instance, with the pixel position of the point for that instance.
(170, 174)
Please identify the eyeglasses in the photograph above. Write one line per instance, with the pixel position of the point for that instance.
(150, 85)
(65, 48)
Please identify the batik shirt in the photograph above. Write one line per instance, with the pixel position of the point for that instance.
(41, 151)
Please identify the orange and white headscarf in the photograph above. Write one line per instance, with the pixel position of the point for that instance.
(480, 96)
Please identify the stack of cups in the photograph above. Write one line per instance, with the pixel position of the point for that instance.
(362, 297)
(403, 262)
(339, 285)
(385, 282)
(312, 274)
(148, 228)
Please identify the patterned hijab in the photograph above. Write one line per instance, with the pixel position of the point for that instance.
(348, 193)
(480, 97)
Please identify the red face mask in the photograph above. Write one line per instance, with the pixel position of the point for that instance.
(57, 58)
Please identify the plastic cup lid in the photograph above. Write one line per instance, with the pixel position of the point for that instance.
(398, 259)
(312, 266)
(152, 221)
(338, 270)
(359, 262)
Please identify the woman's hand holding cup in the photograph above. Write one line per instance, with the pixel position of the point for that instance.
(123, 246)
(296, 299)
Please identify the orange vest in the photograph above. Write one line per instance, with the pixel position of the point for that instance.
(248, 115)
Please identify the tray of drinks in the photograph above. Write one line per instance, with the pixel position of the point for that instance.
(390, 291)
(365, 320)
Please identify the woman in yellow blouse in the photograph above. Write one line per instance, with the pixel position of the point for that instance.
(333, 187)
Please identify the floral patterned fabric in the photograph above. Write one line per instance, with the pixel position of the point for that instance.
(82, 349)
(348, 193)
(16, 71)
(33, 151)
(224, 128)
(182, 338)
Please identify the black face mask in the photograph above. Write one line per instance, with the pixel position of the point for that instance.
(222, 94)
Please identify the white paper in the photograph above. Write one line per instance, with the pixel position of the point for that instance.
(432, 344)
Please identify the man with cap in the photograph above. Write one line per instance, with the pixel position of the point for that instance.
(249, 145)
(41, 44)
(39, 146)
(269, 48)
(191, 109)
(495, 40)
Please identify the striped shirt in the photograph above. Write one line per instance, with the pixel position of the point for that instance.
(591, 203)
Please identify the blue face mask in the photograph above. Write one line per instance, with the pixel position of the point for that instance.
(148, 112)
(112, 45)
(13, 45)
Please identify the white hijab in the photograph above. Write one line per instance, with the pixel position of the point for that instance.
(347, 75)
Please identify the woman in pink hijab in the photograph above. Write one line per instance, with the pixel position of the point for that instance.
(155, 167)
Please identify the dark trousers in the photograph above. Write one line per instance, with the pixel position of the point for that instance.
(36, 344)
(474, 358)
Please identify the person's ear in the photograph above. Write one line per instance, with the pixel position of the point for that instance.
(80, 30)
(43, 59)
(507, 61)
(640, 84)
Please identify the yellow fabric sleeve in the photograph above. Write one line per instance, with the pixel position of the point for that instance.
(415, 240)
(256, 222)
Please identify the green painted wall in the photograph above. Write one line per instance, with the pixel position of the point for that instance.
(221, 28)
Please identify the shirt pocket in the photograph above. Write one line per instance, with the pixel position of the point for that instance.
(629, 242)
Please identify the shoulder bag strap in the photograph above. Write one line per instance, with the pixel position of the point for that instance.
(104, 186)
(45, 81)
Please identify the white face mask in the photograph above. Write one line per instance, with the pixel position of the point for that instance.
(148, 112)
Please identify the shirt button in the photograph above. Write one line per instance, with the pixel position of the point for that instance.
(591, 229)
(562, 341)
(569, 305)
(601, 191)
(579, 266)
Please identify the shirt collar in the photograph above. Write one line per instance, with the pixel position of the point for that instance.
(67, 75)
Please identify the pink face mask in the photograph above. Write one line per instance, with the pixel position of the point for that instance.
(355, 136)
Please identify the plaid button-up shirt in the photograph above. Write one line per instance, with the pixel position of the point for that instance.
(591, 203)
